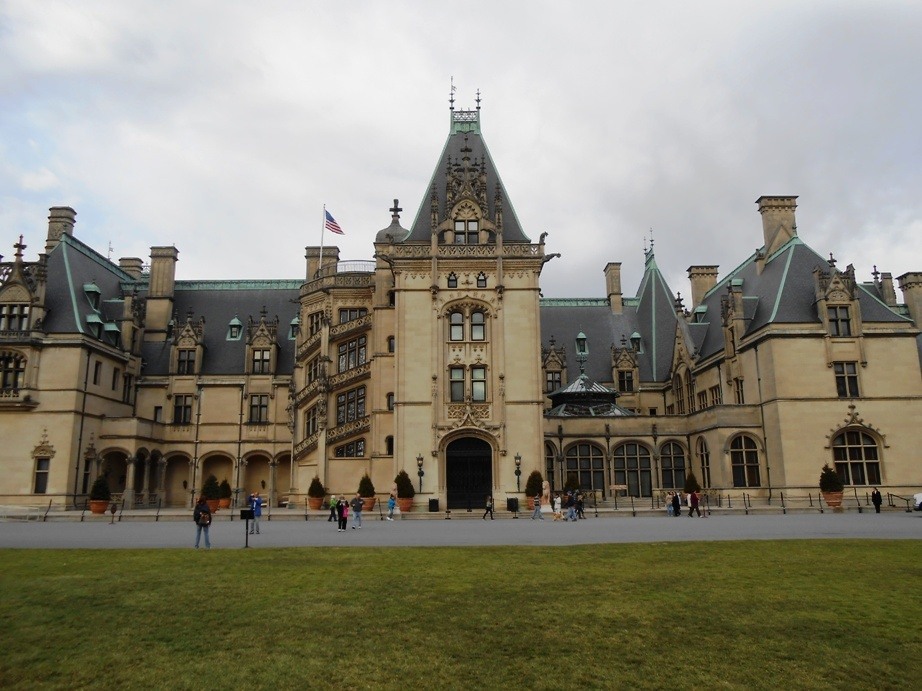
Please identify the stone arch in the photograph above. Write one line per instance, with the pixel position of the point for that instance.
(469, 468)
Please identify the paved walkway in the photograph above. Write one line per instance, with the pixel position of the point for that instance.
(316, 532)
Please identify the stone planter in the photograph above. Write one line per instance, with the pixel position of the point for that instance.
(315, 503)
(369, 503)
(99, 505)
(213, 505)
(224, 503)
(405, 504)
(833, 499)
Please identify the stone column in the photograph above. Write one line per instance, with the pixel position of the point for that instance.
(128, 496)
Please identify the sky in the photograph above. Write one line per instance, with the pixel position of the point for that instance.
(224, 127)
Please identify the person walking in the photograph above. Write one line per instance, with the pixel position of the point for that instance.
(342, 514)
(537, 513)
(877, 500)
(256, 506)
(571, 507)
(676, 505)
(669, 508)
(391, 505)
(579, 505)
(558, 515)
(202, 517)
(489, 508)
(356, 505)
(693, 504)
(334, 514)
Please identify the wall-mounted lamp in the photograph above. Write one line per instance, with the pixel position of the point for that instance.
(518, 472)
(420, 472)
(262, 483)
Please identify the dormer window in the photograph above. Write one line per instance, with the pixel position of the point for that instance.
(294, 328)
(467, 232)
(185, 361)
(92, 292)
(840, 323)
(94, 325)
(234, 329)
(14, 317)
(452, 280)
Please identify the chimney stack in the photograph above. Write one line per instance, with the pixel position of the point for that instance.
(911, 285)
(886, 289)
(778, 222)
(160, 290)
(131, 266)
(61, 220)
(312, 255)
(702, 279)
(613, 286)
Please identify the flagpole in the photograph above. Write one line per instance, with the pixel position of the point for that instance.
(323, 225)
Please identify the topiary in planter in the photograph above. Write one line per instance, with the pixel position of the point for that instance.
(211, 490)
(572, 484)
(691, 483)
(316, 489)
(224, 490)
(404, 486)
(534, 485)
(100, 490)
(830, 480)
(366, 487)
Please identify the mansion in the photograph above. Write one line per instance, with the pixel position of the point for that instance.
(439, 356)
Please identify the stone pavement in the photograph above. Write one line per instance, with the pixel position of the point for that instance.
(317, 532)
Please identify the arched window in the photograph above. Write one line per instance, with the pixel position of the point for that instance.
(704, 457)
(456, 326)
(672, 462)
(481, 280)
(585, 466)
(390, 401)
(477, 326)
(856, 457)
(452, 280)
(744, 459)
(549, 458)
(633, 469)
(388, 446)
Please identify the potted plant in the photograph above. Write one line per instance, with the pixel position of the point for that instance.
(534, 485)
(212, 492)
(691, 483)
(224, 494)
(315, 494)
(405, 491)
(100, 495)
(367, 492)
(831, 486)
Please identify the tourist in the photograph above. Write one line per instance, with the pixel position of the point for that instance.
(877, 500)
(256, 505)
(391, 505)
(537, 511)
(579, 505)
(676, 505)
(489, 508)
(558, 515)
(202, 517)
(693, 504)
(571, 507)
(670, 509)
(342, 514)
(356, 505)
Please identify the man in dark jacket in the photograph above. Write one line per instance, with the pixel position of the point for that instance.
(202, 517)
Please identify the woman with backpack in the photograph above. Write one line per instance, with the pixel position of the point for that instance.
(202, 517)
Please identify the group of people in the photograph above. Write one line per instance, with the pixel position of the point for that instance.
(573, 502)
(341, 509)
(692, 500)
(201, 515)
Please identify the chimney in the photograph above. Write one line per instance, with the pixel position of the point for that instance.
(160, 289)
(131, 266)
(61, 221)
(613, 286)
(312, 254)
(887, 293)
(778, 223)
(702, 279)
(911, 285)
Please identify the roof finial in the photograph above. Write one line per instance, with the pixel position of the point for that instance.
(876, 274)
(395, 212)
(478, 99)
(832, 260)
(451, 95)
(19, 247)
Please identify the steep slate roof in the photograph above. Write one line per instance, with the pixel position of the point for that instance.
(72, 265)
(219, 302)
(465, 131)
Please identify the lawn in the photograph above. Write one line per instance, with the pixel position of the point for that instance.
(795, 614)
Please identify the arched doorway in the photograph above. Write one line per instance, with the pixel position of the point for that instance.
(468, 473)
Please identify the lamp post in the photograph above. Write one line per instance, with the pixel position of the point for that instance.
(518, 472)
(582, 351)
(420, 472)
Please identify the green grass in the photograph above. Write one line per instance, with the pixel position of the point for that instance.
(795, 614)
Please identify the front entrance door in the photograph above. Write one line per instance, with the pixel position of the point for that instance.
(469, 475)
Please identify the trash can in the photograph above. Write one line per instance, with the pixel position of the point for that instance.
(512, 504)
(433, 506)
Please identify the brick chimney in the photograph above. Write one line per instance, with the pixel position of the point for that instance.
(911, 285)
(702, 279)
(61, 220)
(613, 286)
(778, 223)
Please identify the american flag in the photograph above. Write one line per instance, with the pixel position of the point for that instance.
(331, 224)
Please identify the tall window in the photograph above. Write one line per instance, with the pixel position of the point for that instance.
(456, 326)
(127, 387)
(678, 393)
(261, 361)
(551, 381)
(856, 457)
(704, 457)
(846, 379)
(259, 409)
(585, 465)
(391, 344)
(840, 323)
(116, 375)
(744, 460)
(310, 421)
(478, 332)
(549, 469)
(388, 446)
(350, 405)
(633, 469)
(314, 323)
(625, 380)
(313, 369)
(185, 361)
(12, 370)
(97, 372)
(42, 467)
(352, 353)
(738, 391)
(690, 392)
(716, 395)
(672, 462)
(350, 313)
(478, 383)
(14, 317)
(456, 383)
(467, 232)
(182, 409)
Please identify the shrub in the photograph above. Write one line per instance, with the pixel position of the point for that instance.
(572, 484)
(404, 485)
(691, 483)
(224, 490)
(211, 490)
(830, 480)
(534, 485)
(316, 489)
(366, 486)
(100, 490)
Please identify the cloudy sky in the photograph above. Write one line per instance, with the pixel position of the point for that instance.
(223, 127)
